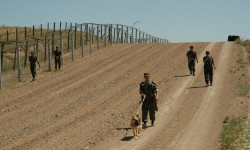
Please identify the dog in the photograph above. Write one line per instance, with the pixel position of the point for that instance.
(136, 126)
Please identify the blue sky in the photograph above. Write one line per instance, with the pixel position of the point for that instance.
(175, 20)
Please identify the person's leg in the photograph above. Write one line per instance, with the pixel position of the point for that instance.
(190, 67)
(144, 114)
(206, 76)
(152, 113)
(211, 77)
(59, 64)
(55, 64)
(193, 67)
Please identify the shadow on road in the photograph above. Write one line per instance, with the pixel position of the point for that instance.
(182, 76)
(127, 138)
(195, 87)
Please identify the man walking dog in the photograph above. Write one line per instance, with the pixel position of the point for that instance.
(149, 94)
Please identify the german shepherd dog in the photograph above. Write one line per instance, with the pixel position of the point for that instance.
(136, 126)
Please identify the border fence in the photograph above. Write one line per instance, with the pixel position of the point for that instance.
(16, 43)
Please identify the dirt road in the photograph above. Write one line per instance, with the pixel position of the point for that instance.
(89, 105)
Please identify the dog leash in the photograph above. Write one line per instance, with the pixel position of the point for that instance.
(140, 105)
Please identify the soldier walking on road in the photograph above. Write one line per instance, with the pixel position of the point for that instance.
(33, 60)
(208, 68)
(149, 94)
(191, 54)
(58, 55)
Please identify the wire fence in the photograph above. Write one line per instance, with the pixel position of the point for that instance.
(72, 39)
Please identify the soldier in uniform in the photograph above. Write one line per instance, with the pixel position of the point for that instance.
(33, 60)
(191, 54)
(208, 68)
(149, 94)
(58, 55)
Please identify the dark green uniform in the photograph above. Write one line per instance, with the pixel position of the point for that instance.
(57, 59)
(191, 61)
(33, 60)
(149, 104)
(208, 69)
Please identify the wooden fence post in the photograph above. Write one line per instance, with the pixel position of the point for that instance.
(97, 36)
(82, 42)
(26, 53)
(117, 33)
(75, 34)
(92, 32)
(49, 53)
(33, 32)
(105, 35)
(45, 48)
(68, 39)
(111, 38)
(14, 67)
(25, 33)
(7, 33)
(41, 29)
(136, 36)
(54, 28)
(48, 28)
(53, 43)
(66, 26)
(81, 35)
(60, 27)
(122, 35)
(90, 45)
(127, 36)
(132, 36)
(61, 47)
(101, 32)
(114, 35)
(87, 33)
(70, 26)
(72, 42)
(19, 65)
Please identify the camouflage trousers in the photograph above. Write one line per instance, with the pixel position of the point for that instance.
(148, 107)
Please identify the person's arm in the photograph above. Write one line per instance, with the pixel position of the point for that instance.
(213, 63)
(196, 58)
(156, 95)
(38, 63)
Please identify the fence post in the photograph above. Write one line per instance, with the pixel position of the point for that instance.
(127, 36)
(82, 42)
(19, 65)
(111, 38)
(61, 47)
(122, 35)
(49, 53)
(87, 33)
(60, 27)
(53, 43)
(25, 33)
(75, 34)
(14, 67)
(68, 39)
(65, 26)
(45, 48)
(37, 48)
(7, 33)
(135, 36)
(90, 45)
(2, 52)
(26, 53)
(132, 36)
(101, 32)
(105, 35)
(114, 36)
(92, 32)
(117, 34)
(97, 36)
(33, 32)
(48, 28)
(72, 42)
(41, 29)
(54, 28)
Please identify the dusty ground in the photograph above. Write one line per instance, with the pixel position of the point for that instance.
(89, 105)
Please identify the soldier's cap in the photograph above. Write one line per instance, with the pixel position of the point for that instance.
(191, 47)
(146, 75)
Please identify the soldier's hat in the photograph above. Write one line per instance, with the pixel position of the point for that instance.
(191, 46)
(146, 74)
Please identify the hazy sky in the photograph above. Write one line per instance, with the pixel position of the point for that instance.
(176, 20)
